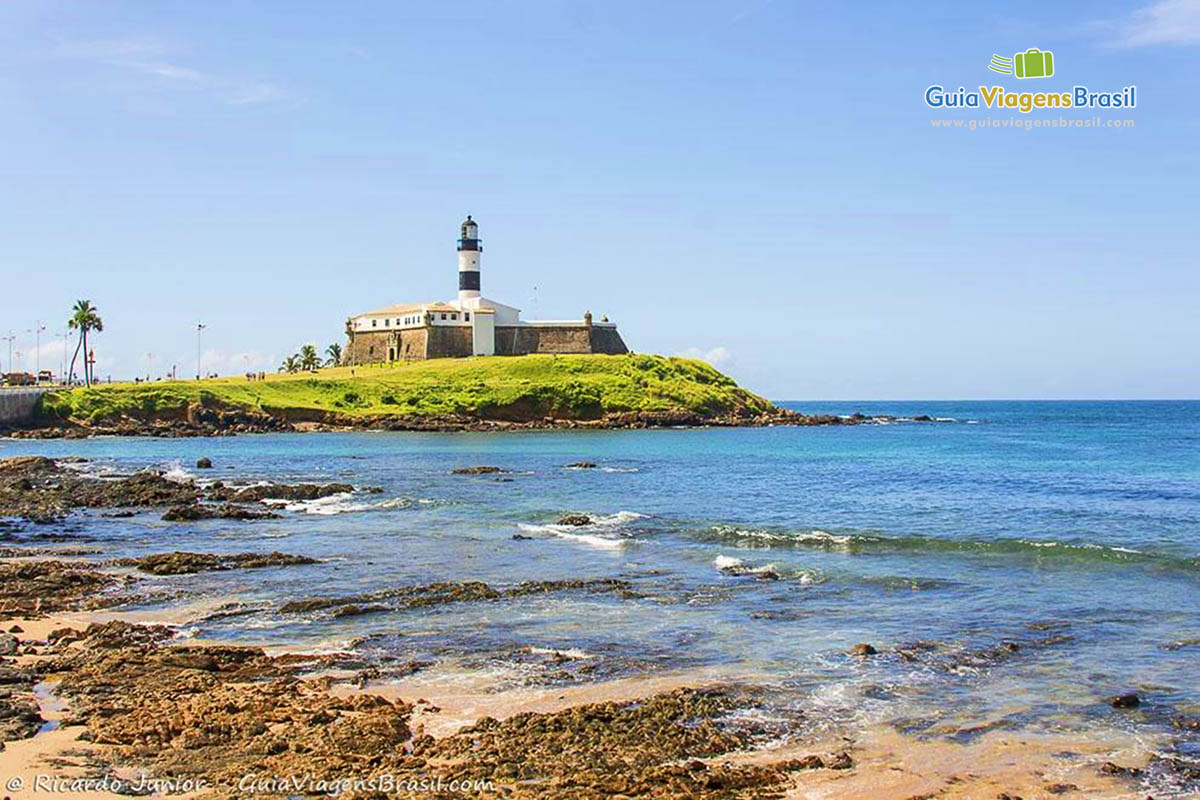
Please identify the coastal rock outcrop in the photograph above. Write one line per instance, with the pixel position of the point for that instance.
(180, 563)
(198, 511)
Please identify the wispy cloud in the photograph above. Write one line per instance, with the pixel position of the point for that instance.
(717, 356)
(154, 62)
(1171, 22)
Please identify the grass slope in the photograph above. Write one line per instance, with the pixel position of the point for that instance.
(503, 388)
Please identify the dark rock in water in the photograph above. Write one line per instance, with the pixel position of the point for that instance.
(1177, 768)
(1127, 700)
(862, 649)
(354, 610)
(179, 563)
(204, 463)
(431, 594)
(280, 491)
(477, 470)
(1186, 723)
(120, 514)
(1109, 768)
(576, 520)
(521, 537)
(198, 511)
(582, 465)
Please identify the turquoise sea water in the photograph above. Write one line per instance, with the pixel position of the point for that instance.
(1068, 529)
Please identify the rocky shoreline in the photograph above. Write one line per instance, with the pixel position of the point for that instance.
(205, 421)
(109, 699)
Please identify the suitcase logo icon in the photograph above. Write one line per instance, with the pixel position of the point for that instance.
(1033, 63)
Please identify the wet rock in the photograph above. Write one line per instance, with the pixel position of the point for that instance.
(438, 593)
(862, 650)
(521, 537)
(279, 491)
(798, 764)
(199, 511)
(1109, 768)
(575, 520)
(34, 588)
(483, 470)
(355, 610)
(1061, 788)
(9, 644)
(204, 463)
(840, 761)
(1127, 700)
(582, 465)
(179, 563)
(20, 717)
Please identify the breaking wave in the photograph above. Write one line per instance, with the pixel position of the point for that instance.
(342, 503)
(875, 543)
(602, 531)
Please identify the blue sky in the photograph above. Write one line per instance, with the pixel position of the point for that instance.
(756, 182)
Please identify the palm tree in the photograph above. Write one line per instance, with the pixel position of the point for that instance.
(309, 360)
(84, 318)
(290, 364)
(334, 351)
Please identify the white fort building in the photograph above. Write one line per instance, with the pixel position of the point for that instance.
(470, 325)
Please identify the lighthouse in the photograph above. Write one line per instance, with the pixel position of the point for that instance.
(469, 248)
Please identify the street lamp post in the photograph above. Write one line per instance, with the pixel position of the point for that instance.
(200, 326)
(38, 327)
(10, 339)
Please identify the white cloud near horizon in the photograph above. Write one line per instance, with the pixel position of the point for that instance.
(154, 61)
(1167, 22)
(717, 356)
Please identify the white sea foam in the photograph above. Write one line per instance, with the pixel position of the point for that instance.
(603, 525)
(736, 566)
(570, 652)
(177, 474)
(593, 540)
(340, 503)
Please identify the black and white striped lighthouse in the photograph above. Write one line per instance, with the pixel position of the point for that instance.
(469, 248)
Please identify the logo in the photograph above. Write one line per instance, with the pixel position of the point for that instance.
(1033, 63)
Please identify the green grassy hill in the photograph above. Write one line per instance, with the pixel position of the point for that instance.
(523, 388)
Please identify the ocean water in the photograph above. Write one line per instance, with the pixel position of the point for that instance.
(1029, 558)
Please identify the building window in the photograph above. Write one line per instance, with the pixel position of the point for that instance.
(467, 316)
(454, 316)
(387, 323)
(373, 322)
(443, 316)
(397, 320)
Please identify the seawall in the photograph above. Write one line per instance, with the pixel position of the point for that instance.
(17, 405)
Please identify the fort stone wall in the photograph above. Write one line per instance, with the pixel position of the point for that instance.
(456, 341)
